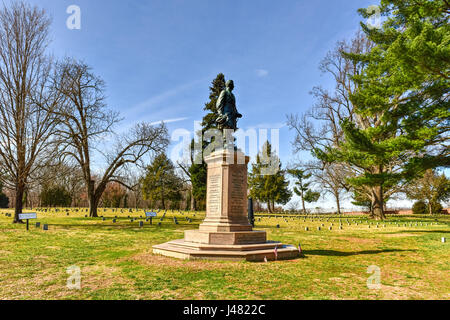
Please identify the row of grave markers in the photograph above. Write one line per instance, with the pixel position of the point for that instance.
(151, 215)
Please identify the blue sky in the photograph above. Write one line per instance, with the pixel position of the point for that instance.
(158, 57)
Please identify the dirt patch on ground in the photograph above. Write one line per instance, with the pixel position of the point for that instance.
(399, 293)
(336, 279)
(22, 288)
(150, 259)
(54, 284)
(101, 277)
(53, 248)
(401, 235)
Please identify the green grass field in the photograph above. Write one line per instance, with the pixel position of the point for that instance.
(116, 260)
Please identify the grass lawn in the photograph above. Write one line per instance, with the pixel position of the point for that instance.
(116, 260)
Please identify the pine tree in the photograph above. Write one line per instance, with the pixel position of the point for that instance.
(302, 187)
(402, 107)
(361, 200)
(161, 182)
(218, 85)
(198, 171)
(198, 174)
(55, 196)
(267, 182)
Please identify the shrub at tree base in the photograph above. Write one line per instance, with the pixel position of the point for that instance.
(55, 196)
(419, 207)
(4, 201)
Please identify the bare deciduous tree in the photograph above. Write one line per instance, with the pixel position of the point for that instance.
(133, 180)
(187, 177)
(86, 123)
(26, 102)
(331, 178)
(320, 126)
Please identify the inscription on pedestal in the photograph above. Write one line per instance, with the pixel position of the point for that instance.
(214, 194)
(238, 191)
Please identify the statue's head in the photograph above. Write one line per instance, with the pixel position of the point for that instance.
(230, 85)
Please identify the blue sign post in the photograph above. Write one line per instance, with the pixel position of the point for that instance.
(151, 215)
(27, 216)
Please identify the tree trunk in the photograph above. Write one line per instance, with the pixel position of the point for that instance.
(93, 199)
(269, 207)
(136, 200)
(378, 203)
(20, 189)
(192, 200)
(93, 205)
(371, 214)
(303, 205)
(193, 203)
(338, 203)
(25, 198)
(430, 208)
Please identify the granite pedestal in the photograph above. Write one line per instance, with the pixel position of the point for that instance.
(226, 233)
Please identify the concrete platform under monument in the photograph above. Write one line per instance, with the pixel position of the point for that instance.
(252, 252)
(226, 233)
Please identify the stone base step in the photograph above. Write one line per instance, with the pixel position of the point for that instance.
(190, 251)
(229, 238)
(270, 245)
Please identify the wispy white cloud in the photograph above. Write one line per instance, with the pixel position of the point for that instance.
(163, 96)
(128, 125)
(169, 121)
(262, 73)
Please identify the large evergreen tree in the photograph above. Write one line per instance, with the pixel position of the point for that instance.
(217, 86)
(267, 182)
(401, 99)
(161, 183)
(198, 169)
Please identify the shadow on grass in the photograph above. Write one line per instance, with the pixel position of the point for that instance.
(334, 253)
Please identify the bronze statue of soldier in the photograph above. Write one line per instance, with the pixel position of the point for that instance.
(226, 108)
